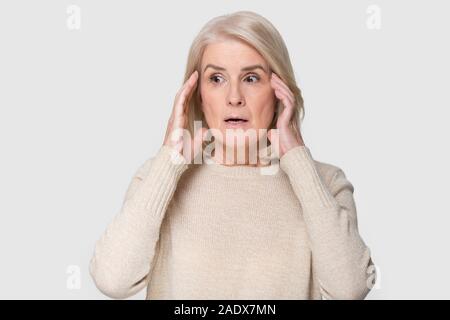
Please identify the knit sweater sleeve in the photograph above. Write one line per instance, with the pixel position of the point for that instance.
(341, 260)
(124, 255)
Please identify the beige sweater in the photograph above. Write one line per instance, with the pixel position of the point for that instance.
(209, 231)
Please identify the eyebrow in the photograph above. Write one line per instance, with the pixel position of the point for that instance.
(248, 68)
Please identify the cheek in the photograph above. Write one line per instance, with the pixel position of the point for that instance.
(262, 104)
(211, 104)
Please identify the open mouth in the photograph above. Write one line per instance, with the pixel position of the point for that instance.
(236, 120)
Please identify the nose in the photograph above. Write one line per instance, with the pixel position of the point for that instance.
(235, 103)
(235, 98)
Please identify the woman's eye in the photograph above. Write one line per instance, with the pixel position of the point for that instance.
(214, 78)
(253, 78)
(217, 79)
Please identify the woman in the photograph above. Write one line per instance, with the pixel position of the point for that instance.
(222, 229)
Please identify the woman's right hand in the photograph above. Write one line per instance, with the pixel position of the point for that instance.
(179, 121)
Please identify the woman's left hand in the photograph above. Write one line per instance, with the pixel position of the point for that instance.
(286, 137)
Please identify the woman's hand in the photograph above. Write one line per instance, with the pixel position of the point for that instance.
(177, 126)
(286, 137)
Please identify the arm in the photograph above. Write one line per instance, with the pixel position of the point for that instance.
(341, 260)
(125, 253)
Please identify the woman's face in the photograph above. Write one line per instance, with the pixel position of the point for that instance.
(235, 82)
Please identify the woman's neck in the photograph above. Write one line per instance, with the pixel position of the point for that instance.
(239, 156)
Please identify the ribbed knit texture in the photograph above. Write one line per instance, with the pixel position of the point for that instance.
(210, 231)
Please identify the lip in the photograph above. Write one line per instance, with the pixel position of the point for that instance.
(235, 116)
(232, 125)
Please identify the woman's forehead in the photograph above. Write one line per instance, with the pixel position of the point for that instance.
(232, 55)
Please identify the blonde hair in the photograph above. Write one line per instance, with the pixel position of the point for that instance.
(259, 33)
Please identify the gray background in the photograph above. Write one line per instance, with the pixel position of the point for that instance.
(82, 109)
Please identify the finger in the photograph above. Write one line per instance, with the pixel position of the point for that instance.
(280, 85)
(288, 111)
(288, 103)
(178, 113)
(187, 82)
(277, 80)
(284, 94)
(184, 92)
